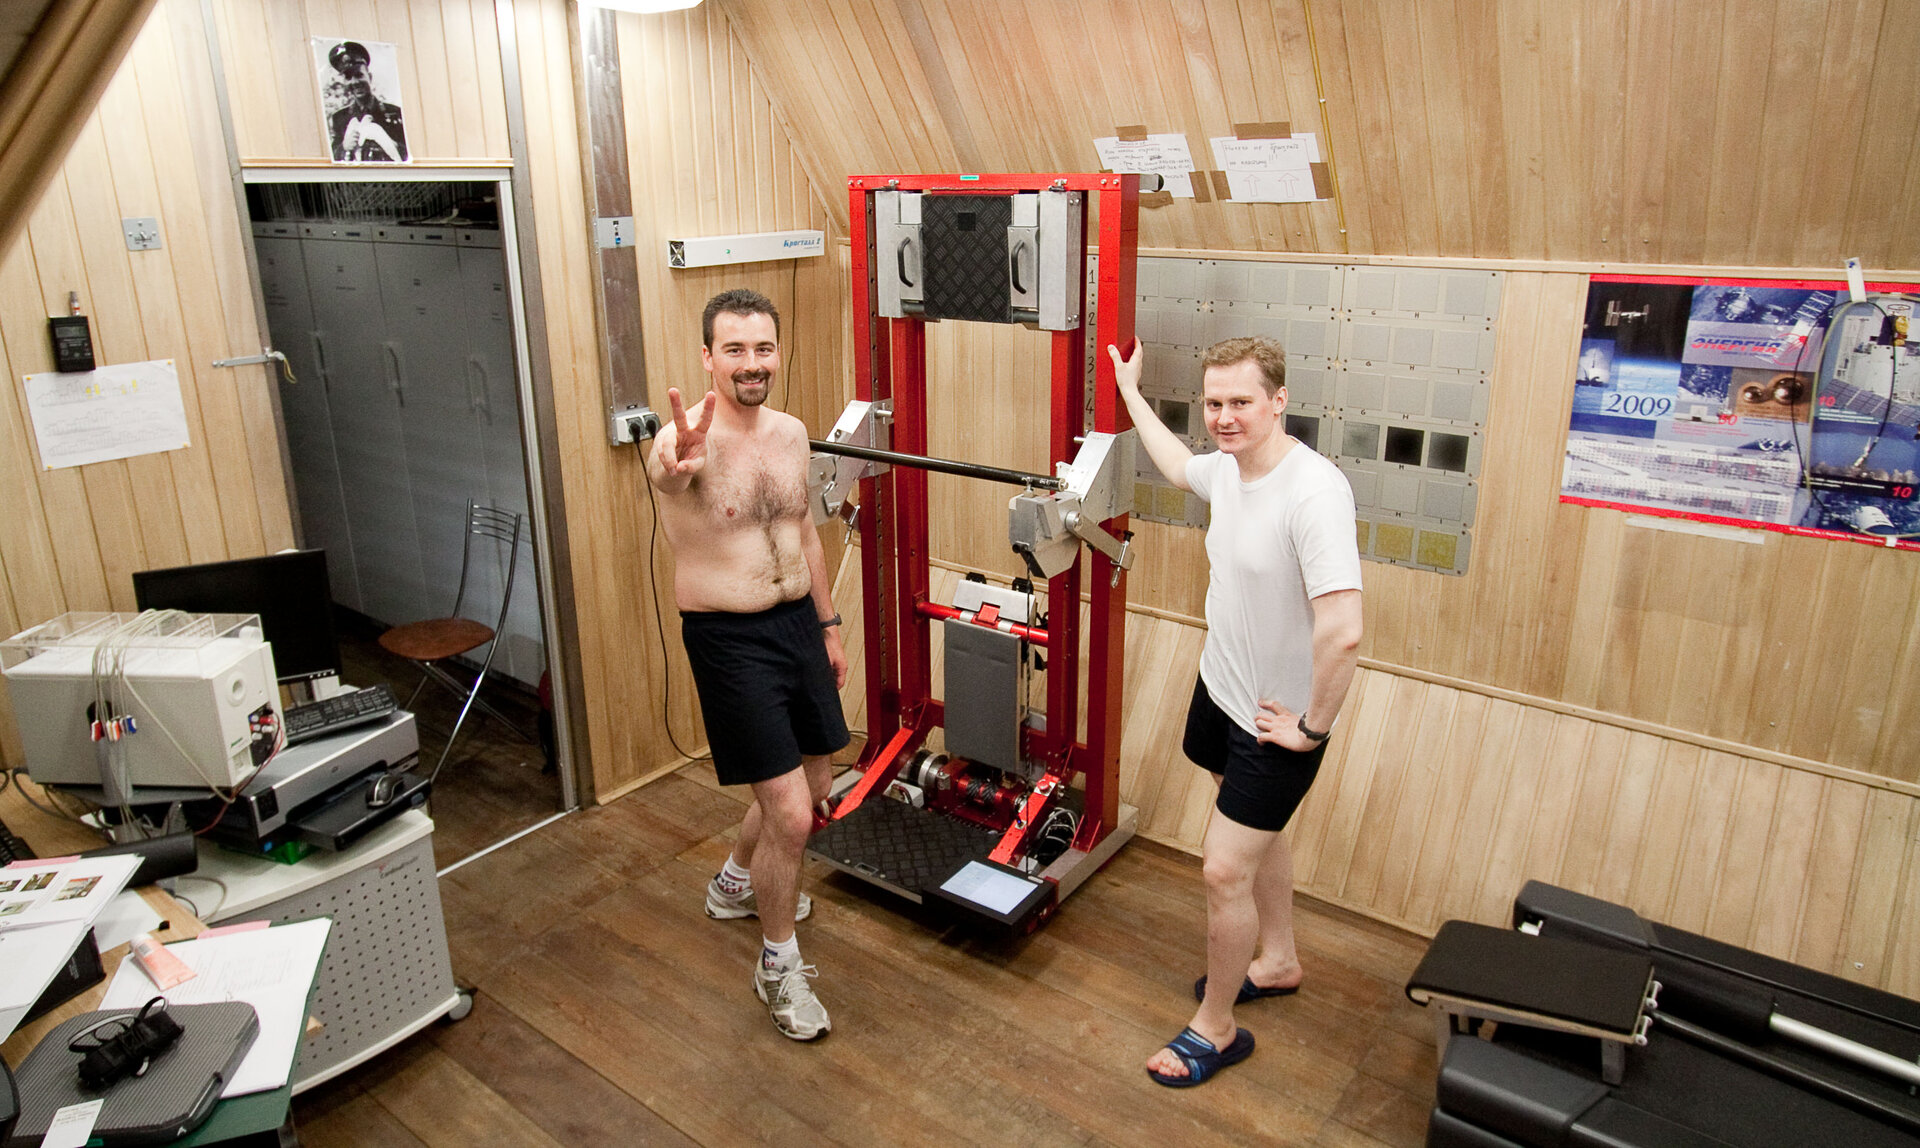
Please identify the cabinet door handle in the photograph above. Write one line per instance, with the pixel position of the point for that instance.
(477, 395)
(320, 360)
(396, 376)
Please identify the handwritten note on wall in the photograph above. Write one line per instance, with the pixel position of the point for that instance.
(113, 412)
(1269, 170)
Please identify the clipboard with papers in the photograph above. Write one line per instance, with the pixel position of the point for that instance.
(272, 968)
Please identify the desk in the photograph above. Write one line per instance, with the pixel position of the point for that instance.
(264, 1117)
(56, 837)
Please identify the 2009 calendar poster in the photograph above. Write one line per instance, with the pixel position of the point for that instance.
(1705, 399)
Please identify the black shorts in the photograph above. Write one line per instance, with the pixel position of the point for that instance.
(1260, 784)
(766, 689)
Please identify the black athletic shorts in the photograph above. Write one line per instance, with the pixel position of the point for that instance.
(1260, 784)
(766, 689)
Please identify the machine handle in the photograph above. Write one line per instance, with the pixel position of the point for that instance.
(1013, 266)
(901, 255)
(396, 377)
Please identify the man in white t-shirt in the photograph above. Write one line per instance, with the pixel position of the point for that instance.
(1283, 637)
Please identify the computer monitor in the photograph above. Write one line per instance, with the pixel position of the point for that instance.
(289, 591)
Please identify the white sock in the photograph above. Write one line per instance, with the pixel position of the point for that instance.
(779, 954)
(734, 880)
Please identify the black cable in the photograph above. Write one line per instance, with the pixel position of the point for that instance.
(660, 622)
(653, 530)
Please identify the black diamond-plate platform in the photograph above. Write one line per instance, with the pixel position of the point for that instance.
(899, 845)
(965, 240)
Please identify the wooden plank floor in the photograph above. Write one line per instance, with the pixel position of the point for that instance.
(612, 1011)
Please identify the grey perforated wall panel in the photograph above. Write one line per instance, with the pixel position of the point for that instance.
(1388, 374)
(386, 965)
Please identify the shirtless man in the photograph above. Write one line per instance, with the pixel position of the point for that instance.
(760, 629)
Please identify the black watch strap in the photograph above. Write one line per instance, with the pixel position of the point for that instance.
(1311, 734)
(826, 623)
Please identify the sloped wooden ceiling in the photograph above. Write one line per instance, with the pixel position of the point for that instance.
(59, 64)
(1724, 132)
(18, 21)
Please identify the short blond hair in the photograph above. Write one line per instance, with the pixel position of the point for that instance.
(1267, 354)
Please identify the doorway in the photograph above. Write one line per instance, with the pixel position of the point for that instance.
(393, 301)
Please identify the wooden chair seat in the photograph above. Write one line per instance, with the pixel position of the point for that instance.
(436, 638)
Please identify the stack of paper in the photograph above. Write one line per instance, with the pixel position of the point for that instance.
(271, 969)
(46, 908)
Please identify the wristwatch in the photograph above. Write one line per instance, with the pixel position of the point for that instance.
(1311, 735)
(825, 623)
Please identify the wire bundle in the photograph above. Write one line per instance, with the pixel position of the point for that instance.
(116, 700)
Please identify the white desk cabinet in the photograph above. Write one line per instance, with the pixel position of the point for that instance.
(386, 974)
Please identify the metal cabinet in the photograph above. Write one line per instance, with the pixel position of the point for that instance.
(365, 396)
(303, 403)
(407, 406)
(495, 407)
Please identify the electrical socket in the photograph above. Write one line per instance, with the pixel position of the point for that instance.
(634, 424)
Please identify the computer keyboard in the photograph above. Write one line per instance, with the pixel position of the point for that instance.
(341, 711)
(12, 848)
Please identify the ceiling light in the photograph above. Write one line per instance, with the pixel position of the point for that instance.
(641, 5)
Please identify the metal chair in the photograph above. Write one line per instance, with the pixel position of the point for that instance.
(435, 640)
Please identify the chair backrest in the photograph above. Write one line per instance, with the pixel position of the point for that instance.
(502, 526)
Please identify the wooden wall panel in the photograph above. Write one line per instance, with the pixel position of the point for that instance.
(450, 78)
(60, 56)
(73, 537)
(1795, 645)
(1439, 803)
(709, 156)
(1518, 129)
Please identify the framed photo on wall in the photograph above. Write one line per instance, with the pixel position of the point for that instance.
(360, 100)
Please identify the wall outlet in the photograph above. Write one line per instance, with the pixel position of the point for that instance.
(633, 424)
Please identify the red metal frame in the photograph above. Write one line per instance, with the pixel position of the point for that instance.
(890, 363)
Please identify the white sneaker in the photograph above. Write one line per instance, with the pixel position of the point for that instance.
(796, 1012)
(722, 906)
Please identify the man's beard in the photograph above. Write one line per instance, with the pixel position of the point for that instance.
(759, 379)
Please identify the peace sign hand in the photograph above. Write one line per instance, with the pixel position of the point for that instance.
(684, 452)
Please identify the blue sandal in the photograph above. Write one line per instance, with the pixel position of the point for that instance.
(1201, 1058)
(1248, 991)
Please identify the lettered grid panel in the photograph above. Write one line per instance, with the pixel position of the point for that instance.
(1387, 375)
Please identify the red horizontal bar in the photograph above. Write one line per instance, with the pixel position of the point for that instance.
(1027, 633)
(1072, 181)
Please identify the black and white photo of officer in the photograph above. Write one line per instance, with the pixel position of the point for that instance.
(362, 125)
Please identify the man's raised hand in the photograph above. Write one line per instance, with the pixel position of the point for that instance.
(1127, 368)
(685, 452)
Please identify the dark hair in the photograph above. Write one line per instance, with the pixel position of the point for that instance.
(739, 301)
(349, 50)
(1267, 354)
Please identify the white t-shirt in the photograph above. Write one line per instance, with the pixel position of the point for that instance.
(1273, 545)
